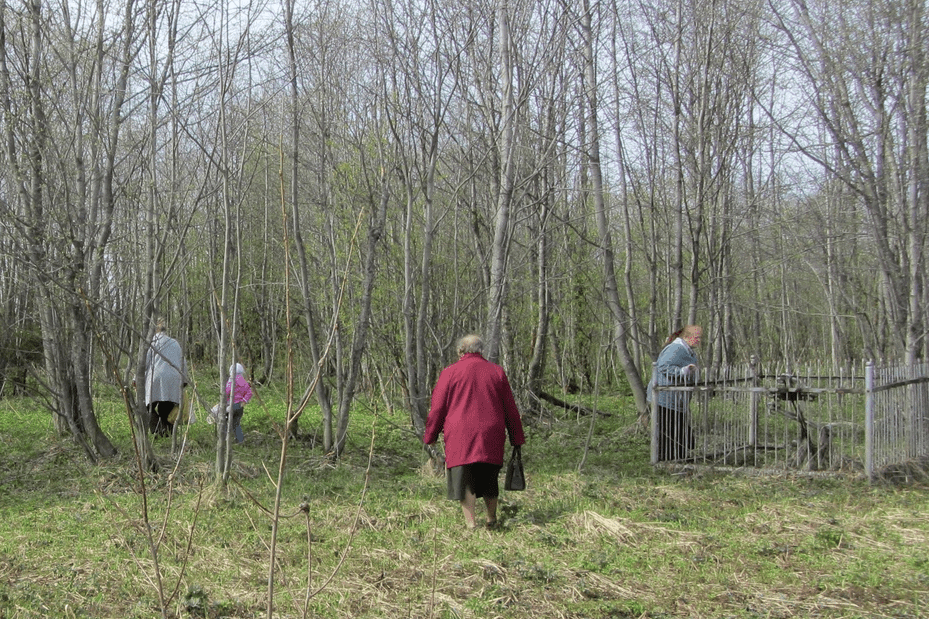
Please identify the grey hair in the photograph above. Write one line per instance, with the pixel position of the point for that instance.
(470, 344)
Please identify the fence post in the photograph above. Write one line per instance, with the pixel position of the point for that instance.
(869, 421)
(921, 403)
(753, 423)
(654, 415)
(914, 411)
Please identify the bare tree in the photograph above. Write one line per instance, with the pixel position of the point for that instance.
(69, 126)
(156, 240)
(421, 83)
(591, 152)
(506, 143)
(871, 102)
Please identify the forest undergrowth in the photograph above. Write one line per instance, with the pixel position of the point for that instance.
(598, 534)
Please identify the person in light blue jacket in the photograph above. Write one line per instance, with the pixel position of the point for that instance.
(677, 367)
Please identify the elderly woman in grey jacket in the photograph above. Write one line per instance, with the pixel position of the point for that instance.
(677, 366)
(164, 380)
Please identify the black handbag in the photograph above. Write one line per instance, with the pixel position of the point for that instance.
(515, 476)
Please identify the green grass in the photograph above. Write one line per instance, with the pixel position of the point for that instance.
(615, 539)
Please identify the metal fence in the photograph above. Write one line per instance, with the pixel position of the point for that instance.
(861, 418)
(896, 415)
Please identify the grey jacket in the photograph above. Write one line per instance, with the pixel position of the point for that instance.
(165, 370)
(672, 362)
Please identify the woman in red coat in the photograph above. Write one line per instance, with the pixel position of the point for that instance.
(473, 407)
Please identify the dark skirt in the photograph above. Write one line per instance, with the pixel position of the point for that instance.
(480, 477)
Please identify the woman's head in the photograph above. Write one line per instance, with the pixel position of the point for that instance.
(690, 334)
(470, 344)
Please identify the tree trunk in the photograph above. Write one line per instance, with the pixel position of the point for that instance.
(506, 143)
(618, 313)
(377, 220)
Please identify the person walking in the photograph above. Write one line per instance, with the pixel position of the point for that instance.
(164, 380)
(677, 366)
(240, 392)
(474, 409)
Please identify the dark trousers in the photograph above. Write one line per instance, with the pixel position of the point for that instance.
(158, 413)
(237, 411)
(675, 438)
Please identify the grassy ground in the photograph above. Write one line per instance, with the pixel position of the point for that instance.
(374, 537)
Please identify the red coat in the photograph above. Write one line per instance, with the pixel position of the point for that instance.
(474, 408)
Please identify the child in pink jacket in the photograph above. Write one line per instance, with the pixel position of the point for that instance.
(238, 398)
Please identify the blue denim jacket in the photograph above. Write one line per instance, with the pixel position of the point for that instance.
(671, 363)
